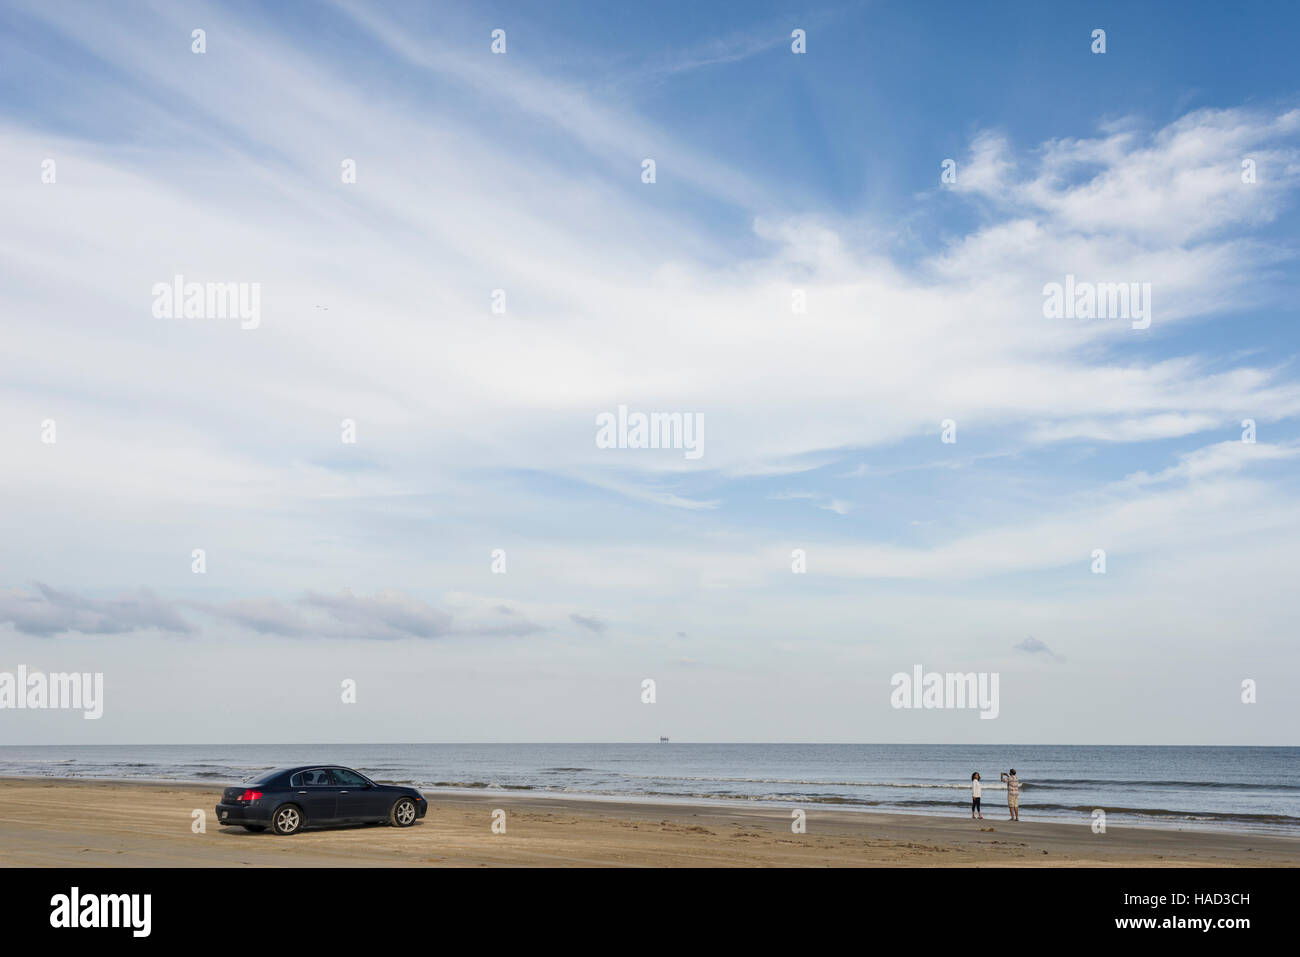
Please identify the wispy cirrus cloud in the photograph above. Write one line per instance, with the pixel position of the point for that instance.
(479, 173)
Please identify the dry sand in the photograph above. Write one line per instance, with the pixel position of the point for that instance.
(46, 822)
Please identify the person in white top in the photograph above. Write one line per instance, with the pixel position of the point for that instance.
(1013, 793)
(975, 811)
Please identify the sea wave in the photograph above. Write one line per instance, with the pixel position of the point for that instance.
(1140, 783)
(813, 782)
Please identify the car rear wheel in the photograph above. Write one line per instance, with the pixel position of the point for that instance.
(287, 819)
(255, 828)
(403, 813)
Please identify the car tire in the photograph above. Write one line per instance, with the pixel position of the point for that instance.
(287, 819)
(255, 828)
(403, 813)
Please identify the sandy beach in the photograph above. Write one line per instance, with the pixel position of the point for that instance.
(50, 822)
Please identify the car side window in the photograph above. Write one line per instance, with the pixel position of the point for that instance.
(316, 778)
(347, 779)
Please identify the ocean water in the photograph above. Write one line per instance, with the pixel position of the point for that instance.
(1242, 789)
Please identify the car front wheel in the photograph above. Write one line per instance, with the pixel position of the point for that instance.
(403, 813)
(287, 819)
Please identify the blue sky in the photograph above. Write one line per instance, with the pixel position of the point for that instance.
(776, 172)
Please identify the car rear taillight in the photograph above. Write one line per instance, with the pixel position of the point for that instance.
(251, 796)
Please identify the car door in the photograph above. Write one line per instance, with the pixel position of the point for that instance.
(358, 801)
(315, 791)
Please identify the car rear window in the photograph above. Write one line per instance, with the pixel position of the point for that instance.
(266, 777)
(318, 777)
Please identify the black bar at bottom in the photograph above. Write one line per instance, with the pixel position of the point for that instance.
(372, 907)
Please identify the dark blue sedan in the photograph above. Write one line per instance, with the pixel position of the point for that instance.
(288, 799)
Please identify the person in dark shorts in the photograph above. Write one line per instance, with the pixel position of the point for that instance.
(975, 811)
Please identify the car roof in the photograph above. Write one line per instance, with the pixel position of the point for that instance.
(310, 767)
